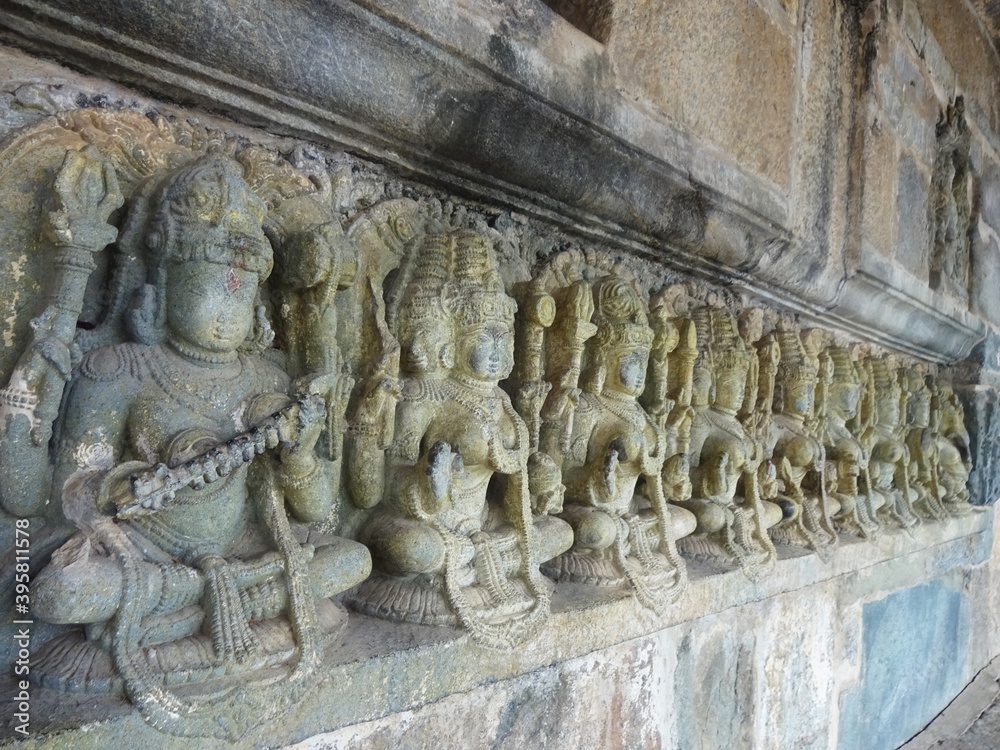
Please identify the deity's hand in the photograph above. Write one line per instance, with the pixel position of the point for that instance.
(715, 480)
(301, 424)
(443, 463)
(561, 403)
(37, 385)
(334, 387)
(531, 397)
(677, 477)
(378, 399)
(767, 481)
(617, 453)
(678, 426)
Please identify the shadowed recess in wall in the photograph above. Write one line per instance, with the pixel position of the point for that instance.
(592, 17)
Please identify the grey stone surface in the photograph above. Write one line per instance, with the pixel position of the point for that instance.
(507, 103)
(913, 242)
(971, 721)
(906, 99)
(919, 631)
(726, 664)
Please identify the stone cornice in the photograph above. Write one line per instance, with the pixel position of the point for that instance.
(371, 78)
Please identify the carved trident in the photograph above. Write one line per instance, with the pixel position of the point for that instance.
(86, 193)
(538, 311)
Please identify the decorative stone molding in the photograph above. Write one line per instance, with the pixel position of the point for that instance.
(504, 130)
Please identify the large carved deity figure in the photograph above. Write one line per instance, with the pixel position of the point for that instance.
(890, 457)
(796, 450)
(848, 476)
(727, 468)
(179, 454)
(446, 460)
(606, 443)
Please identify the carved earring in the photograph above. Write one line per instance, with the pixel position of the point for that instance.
(261, 335)
(146, 316)
(447, 356)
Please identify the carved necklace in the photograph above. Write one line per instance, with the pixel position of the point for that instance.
(504, 460)
(197, 389)
(484, 406)
(190, 353)
(624, 407)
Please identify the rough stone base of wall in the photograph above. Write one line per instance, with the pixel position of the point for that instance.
(860, 653)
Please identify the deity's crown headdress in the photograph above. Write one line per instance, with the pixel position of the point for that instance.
(797, 365)
(885, 375)
(620, 316)
(205, 211)
(455, 274)
(719, 340)
(845, 369)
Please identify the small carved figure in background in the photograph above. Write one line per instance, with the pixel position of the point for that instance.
(727, 466)
(922, 445)
(796, 449)
(849, 479)
(950, 204)
(606, 443)
(952, 440)
(890, 458)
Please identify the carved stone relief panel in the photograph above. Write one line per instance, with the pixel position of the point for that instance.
(950, 203)
(247, 389)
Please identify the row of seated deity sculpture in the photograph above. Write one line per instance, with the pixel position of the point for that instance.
(417, 436)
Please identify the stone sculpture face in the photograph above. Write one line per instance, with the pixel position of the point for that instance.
(730, 385)
(486, 352)
(628, 369)
(801, 397)
(427, 345)
(210, 306)
(846, 397)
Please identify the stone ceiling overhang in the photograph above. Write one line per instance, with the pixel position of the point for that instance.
(368, 77)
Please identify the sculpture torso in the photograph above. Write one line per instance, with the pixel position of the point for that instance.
(175, 409)
(480, 425)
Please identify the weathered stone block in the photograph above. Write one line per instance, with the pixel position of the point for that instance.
(723, 72)
(913, 664)
(913, 239)
(879, 210)
(907, 99)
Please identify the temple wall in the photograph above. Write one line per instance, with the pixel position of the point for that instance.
(774, 155)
